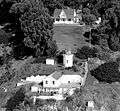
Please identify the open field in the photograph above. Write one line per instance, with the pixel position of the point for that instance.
(69, 37)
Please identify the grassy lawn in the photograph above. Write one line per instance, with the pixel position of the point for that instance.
(69, 37)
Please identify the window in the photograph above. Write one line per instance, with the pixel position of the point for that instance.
(53, 82)
(68, 81)
(46, 82)
(69, 19)
(67, 61)
(63, 19)
(57, 19)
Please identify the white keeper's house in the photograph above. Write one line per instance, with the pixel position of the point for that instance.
(67, 16)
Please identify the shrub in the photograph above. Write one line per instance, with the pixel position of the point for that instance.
(104, 56)
(107, 72)
(15, 100)
(86, 52)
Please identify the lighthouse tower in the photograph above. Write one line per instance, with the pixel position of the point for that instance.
(68, 59)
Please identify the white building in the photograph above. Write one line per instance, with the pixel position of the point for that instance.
(60, 81)
(61, 77)
(66, 16)
(36, 79)
(63, 81)
(50, 61)
(68, 59)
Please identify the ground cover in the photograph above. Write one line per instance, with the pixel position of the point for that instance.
(69, 37)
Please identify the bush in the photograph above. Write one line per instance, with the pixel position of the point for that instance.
(15, 100)
(86, 52)
(107, 72)
(104, 56)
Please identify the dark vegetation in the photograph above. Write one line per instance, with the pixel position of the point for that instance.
(86, 52)
(107, 72)
(28, 33)
(15, 100)
(107, 34)
(28, 30)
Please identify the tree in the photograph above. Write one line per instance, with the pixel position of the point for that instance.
(5, 53)
(107, 72)
(37, 26)
(87, 17)
(86, 52)
(107, 33)
(4, 37)
(15, 100)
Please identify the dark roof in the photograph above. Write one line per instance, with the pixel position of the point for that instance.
(57, 74)
(69, 13)
(70, 85)
(57, 12)
(67, 72)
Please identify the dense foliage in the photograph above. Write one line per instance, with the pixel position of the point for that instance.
(22, 26)
(107, 34)
(87, 17)
(15, 100)
(36, 25)
(107, 72)
(86, 52)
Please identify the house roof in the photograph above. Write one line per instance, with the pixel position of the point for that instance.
(67, 72)
(57, 74)
(69, 13)
(70, 85)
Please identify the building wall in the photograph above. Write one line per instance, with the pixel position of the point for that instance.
(50, 82)
(64, 22)
(63, 16)
(70, 79)
(36, 79)
(50, 61)
(68, 60)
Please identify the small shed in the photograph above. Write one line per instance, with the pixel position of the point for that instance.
(50, 61)
(90, 104)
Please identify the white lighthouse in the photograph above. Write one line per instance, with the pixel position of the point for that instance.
(68, 59)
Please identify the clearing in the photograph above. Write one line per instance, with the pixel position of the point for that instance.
(69, 37)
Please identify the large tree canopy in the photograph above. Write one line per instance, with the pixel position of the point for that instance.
(37, 26)
(107, 34)
(107, 72)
